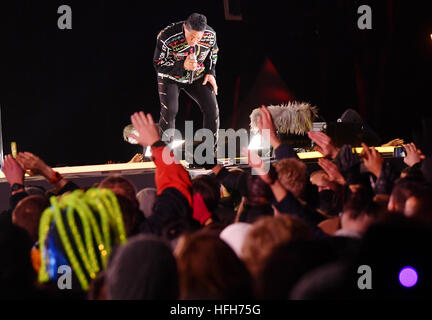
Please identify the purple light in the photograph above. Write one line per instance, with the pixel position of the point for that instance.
(408, 277)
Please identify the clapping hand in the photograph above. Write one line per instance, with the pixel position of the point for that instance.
(324, 144)
(256, 163)
(332, 171)
(265, 122)
(372, 160)
(12, 170)
(33, 164)
(413, 155)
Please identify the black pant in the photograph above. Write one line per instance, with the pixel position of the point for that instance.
(203, 95)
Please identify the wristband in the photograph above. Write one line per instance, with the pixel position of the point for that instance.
(56, 177)
(17, 186)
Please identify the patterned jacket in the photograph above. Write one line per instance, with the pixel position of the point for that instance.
(172, 49)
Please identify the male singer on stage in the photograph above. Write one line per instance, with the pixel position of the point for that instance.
(185, 59)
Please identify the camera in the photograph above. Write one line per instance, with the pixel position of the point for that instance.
(399, 152)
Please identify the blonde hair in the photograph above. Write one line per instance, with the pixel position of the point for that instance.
(292, 175)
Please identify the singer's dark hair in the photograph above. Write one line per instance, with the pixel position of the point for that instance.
(196, 22)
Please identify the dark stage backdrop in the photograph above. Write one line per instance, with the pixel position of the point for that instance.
(66, 95)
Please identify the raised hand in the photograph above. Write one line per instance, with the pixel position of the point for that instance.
(33, 164)
(148, 132)
(324, 144)
(265, 122)
(372, 160)
(262, 169)
(256, 163)
(413, 155)
(12, 170)
(136, 158)
(332, 171)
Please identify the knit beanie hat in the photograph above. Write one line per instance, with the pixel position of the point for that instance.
(234, 236)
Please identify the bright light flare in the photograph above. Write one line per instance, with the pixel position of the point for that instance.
(256, 143)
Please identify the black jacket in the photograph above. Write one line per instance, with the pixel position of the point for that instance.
(172, 49)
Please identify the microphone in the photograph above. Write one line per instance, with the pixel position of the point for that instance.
(192, 53)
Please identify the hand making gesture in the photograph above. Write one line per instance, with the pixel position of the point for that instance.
(413, 155)
(332, 171)
(372, 160)
(12, 170)
(265, 122)
(34, 165)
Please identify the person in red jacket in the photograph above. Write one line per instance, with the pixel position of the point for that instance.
(174, 203)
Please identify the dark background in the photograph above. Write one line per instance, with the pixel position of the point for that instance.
(66, 95)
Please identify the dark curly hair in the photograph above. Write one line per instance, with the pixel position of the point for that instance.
(196, 21)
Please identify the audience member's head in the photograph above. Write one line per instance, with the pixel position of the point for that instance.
(174, 228)
(256, 201)
(234, 235)
(97, 290)
(402, 190)
(419, 206)
(286, 265)
(268, 233)
(258, 192)
(292, 174)
(326, 282)
(132, 216)
(359, 209)
(142, 269)
(411, 173)
(16, 271)
(120, 186)
(79, 230)
(209, 269)
(27, 214)
(209, 188)
(146, 199)
(320, 179)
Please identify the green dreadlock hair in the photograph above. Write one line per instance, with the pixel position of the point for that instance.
(85, 204)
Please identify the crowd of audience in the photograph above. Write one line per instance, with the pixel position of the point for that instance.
(284, 233)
